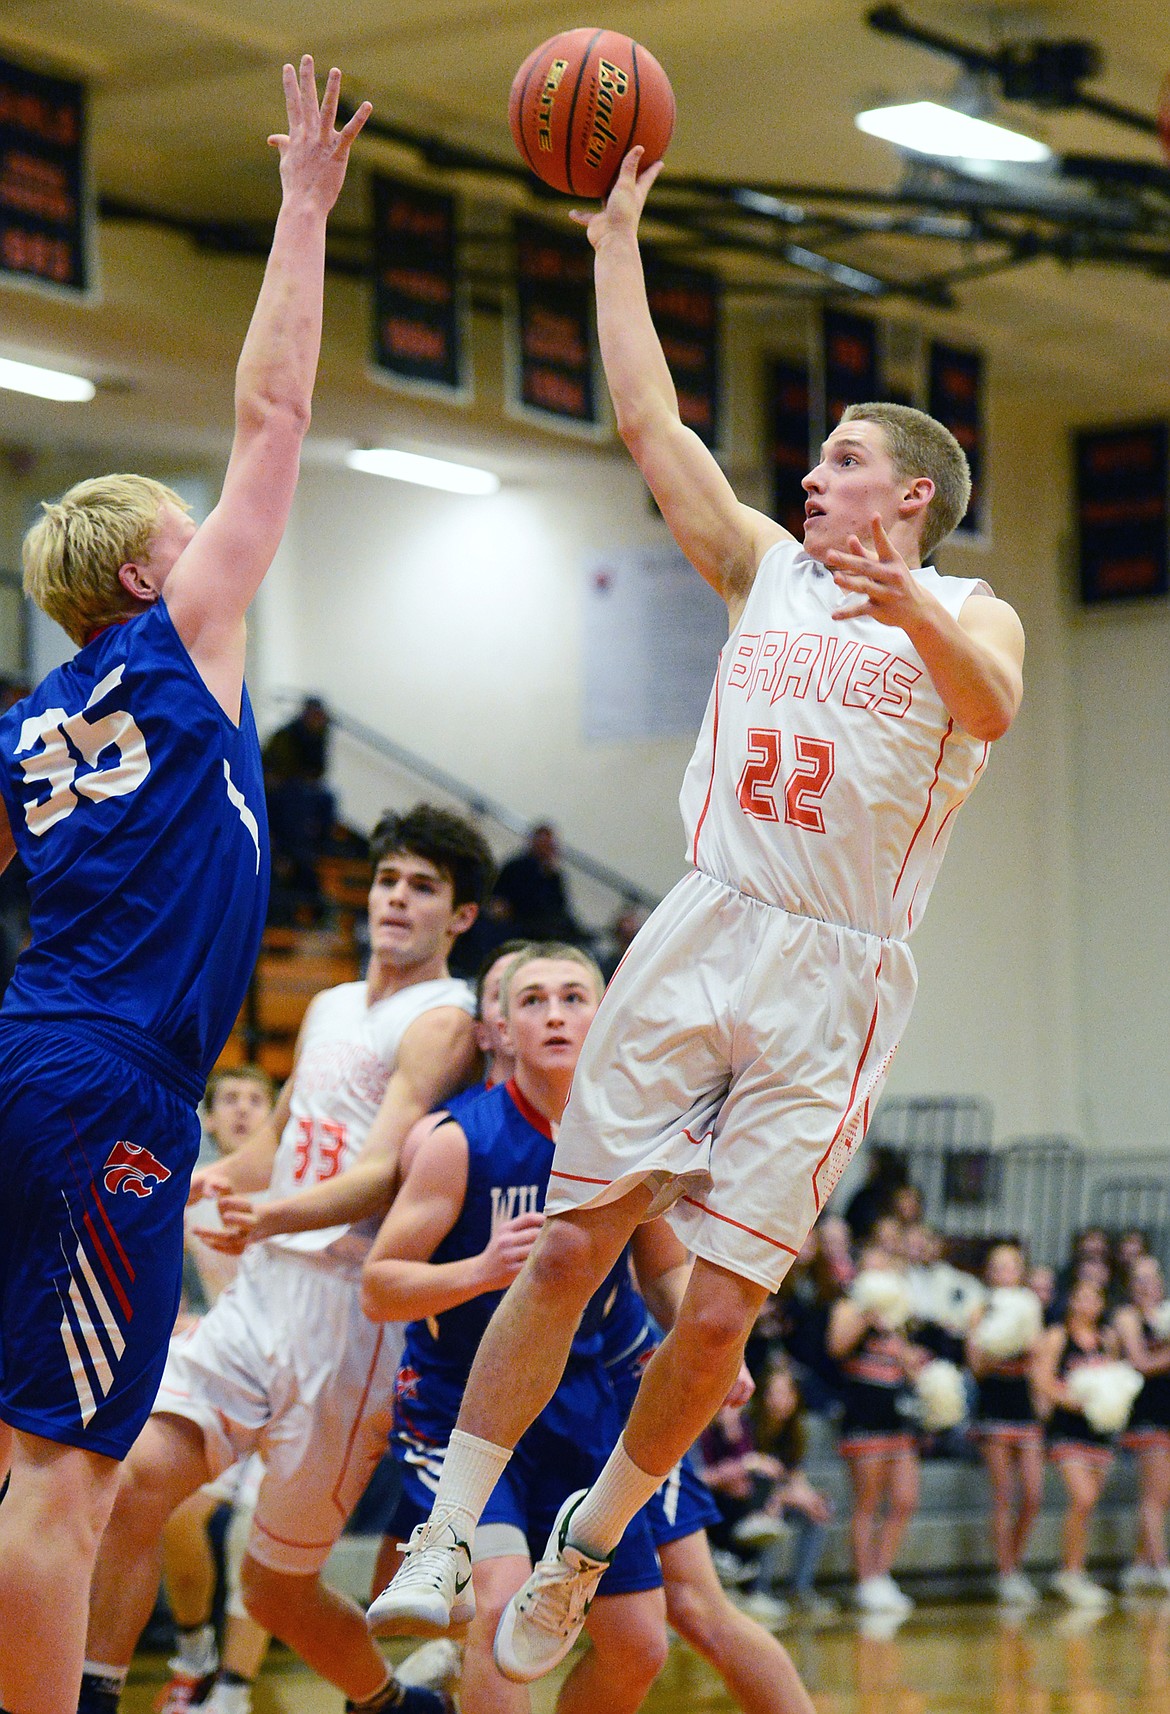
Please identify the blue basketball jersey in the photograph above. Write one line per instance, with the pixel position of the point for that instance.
(509, 1153)
(138, 809)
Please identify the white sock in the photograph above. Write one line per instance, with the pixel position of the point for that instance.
(113, 1677)
(471, 1469)
(620, 1491)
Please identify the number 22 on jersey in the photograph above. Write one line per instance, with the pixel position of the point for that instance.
(802, 791)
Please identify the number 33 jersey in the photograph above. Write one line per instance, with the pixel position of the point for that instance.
(828, 771)
(137, 808)
(348, 1053)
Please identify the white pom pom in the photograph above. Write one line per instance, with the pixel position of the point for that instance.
(1160, 1320)
(1013, 1322)
(942, 1399)
(883, 1293)
(1106, 1393)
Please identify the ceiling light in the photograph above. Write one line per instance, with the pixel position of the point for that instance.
(929, 129)
(427, 472)
(44, 383)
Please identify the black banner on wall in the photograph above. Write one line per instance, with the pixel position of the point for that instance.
(788, 428)
(554, 335)
(45, 221)
(1122, 512)
(849, 363)
(685, 305)
(956, 398)
(418, 334)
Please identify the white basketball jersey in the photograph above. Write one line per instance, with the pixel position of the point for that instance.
(348, 1051)
(828, 770)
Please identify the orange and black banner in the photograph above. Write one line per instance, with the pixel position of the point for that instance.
(955, 398)
(1122, 512)
(685, 305)
(849, 363)
(789, 432)
(418, 331)
(554, 371)
(45, 218)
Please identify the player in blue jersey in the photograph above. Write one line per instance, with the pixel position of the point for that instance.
(457, 1234)
(130, 786)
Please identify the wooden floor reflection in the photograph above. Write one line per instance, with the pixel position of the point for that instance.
(960, 1659)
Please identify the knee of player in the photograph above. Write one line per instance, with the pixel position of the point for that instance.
(268, 1595)
(560, 1264)
(692, 1614)
(714, 1327)
(635, 1649)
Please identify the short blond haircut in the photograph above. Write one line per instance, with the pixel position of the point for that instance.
(72, 555)
(558, 949)
(919, 445)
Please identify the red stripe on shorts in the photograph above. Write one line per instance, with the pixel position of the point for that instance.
(715, 1215)
(577, 1178)
(115, 1282)
(853, 1091)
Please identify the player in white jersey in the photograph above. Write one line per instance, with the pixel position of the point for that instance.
(285, 1362)
(730, 1068)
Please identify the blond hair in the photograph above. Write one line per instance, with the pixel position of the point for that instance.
(919, 445)
(72, 555)
(558, 949)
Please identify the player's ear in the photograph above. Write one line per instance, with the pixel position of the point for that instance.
(135, 582)
(462, 918)
(917, 497)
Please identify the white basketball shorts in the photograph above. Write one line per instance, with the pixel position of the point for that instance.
(732, 1066)
(285, 1364)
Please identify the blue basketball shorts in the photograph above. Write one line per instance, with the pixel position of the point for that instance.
(96, 1155)
(564, 1450)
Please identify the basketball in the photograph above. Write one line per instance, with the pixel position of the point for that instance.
(579, 104)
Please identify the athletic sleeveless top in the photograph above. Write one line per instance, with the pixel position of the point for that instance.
(509, 1152)
(348, 1052)
(138, 810)
(828, 771)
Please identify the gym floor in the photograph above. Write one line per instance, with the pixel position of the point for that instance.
(955, 1659)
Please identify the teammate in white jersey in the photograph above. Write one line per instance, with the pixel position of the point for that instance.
(285, 1362)
(730, 1068)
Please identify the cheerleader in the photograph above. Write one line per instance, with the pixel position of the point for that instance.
(1081, 1453)
(1001, 1350)
(876, 1363)
(1143, 1327)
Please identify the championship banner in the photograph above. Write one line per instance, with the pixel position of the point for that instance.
(955, 397)
(1122, 512)
(685, 305)
(554, 372)
(418, 331)
(850, 363)
(45, 217)
(789, 432)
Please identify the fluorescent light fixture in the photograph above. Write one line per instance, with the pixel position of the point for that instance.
(427, 472)
(929, 129)
(44, 383)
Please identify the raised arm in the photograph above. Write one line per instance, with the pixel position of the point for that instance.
(436, 1058)
(399, 1281)
(215, 578)
(723, 539)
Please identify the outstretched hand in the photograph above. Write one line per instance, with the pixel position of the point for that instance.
(878, 578)
(623, 206)
(313, 155)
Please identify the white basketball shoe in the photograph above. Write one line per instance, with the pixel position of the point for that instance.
(431, 1594)
(543, 1620)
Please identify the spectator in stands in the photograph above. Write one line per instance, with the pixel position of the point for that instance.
(531, 889)
(1007, 1428)
(887, 1174)
(877, 1363)
(301, 811)
(622, 930)
(1042, 1280)
(1082, 1454)
(1091, 1249)
(1143, 1328)
(741, 1478)
(792, 1508)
